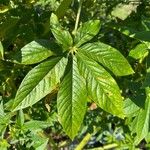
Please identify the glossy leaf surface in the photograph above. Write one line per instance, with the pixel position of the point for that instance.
(86, 32)
(101, 87)
(39, 82)
(107, 56)
(71, 101)
(61, 35)
(36, 51)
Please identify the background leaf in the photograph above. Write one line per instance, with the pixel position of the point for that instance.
(61, 10)
(41, 144)
(20, 118)
(143, 36)
(122, 11)
(8, 26)
(130, 108)
(35, 125)
(139, 52)
(146, 83)
(141, 122)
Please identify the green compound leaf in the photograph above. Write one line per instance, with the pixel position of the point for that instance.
(39, 82)
(107, 56)
(36, 51)
(86, 32)
(61, 35)
(71, 102)
(101, 86)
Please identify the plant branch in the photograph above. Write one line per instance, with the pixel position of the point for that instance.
(78, 16)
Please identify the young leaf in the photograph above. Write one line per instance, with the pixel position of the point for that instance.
(71, 101)
(61, 35)
(39, 82)
(86, 32)
(36, 51)
(101, 86)
(107, 56)
(141, 122)
(54, 22)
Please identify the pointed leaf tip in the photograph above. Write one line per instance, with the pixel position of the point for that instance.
(71, 101)
(108, 56)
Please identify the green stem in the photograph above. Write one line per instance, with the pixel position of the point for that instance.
(86, 139)
(110, 146)
(78, 16)
(84, 142)
(106, 147)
